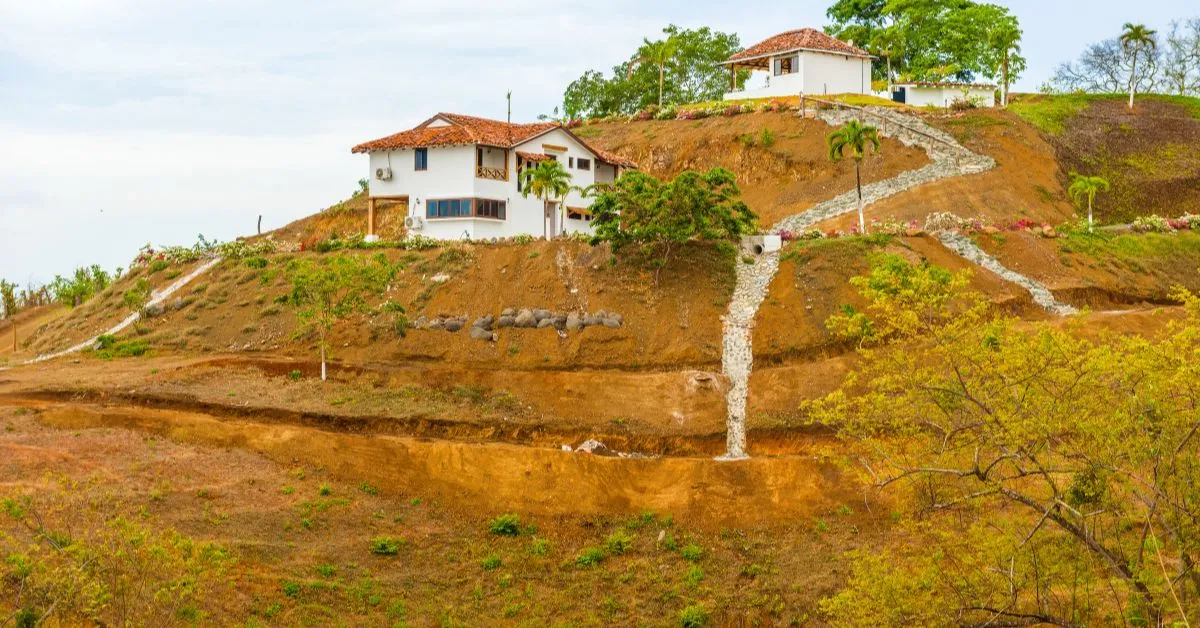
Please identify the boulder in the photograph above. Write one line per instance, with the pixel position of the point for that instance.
(436, 323)
(440, 278)
(540, 314)
(611, 322)
(545, 322)
(591, 320)
(421, 321)
(574, 321)
(479, 333)
(455, 324)
(506, 321)
(525, 319)
(508, 311)
(485, 322)
(617, 317)
(559, 321)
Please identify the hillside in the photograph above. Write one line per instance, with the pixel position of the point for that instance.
(427, 433)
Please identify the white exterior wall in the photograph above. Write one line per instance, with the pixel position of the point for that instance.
(817, 74)
(451, 174)
(943, 96)
(835, 74)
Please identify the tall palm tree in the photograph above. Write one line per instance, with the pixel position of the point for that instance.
(857, 137)
(1005, 40)
(1136, 38)
(657, 53)
(548, 181)
(1087, 187)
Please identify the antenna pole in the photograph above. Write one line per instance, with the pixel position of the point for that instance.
(508, 97)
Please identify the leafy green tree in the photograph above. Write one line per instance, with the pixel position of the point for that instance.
(8, 298)
(1045, 476)
(925, 39)
(857, 138)
(326, 290)
(659, 217)
(136, 297)
(549, 181)
(1136, 39)
(1087, 187)
(694, 75)
(83, 285)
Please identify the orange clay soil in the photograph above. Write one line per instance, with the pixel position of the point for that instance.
(785, 178)
(27, 323)
(1026, 182)
(298, 522)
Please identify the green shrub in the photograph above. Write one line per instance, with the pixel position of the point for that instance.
(618, 543)
(692, 552)
(506, 525)
(326, 571)
(694, 616)
(159, 265)
(539, 547)
(291, 589)
(324, 490)
(590, 556)
(257, 262)
(386, 545)
(368, 489)
(766, 139)
(295, 375)
(491, 562)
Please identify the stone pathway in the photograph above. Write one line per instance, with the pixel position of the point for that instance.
(156, 298)
(966, 247)
(949, 159)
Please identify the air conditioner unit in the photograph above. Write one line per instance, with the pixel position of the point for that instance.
(383, 174)
(414, 222)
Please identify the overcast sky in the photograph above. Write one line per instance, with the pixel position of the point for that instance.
(125, 122)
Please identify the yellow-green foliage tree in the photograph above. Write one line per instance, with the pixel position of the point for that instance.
(1048, 477)
(326, 290)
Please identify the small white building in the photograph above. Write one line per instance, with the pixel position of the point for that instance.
(460, 177)
(804, 61)
(930, 94)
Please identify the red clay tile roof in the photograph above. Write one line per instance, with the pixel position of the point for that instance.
(532, 156)
(460, 130)
(800, 39)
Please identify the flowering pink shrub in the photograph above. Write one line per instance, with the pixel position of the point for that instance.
(786, 236)
(733, 110)
(576, 123)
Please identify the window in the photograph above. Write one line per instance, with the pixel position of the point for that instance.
(461, 208)
(574, 214)
(421, 159)
(785, 65)
(488, 208)
(570, 162)
(478, 157)
(584, 164)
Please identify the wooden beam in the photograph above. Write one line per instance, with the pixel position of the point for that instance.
(371, 216)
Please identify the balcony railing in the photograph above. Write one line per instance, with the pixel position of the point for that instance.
(495, 174)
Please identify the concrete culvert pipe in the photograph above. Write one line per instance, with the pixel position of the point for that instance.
(758, 249)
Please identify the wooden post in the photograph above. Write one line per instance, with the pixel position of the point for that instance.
(803, 107)
(732, 78)
(260, 224)
(370, 216)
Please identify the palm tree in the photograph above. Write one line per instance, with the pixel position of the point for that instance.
(1134, 39)
(657, 53)
(857, 137)
(548, 181)
(1087, 187)
(1005, 40)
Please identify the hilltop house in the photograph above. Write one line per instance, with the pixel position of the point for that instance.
(936, 94)
(804, 61)
(460, 177)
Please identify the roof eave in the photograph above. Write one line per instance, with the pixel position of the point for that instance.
(783, 52)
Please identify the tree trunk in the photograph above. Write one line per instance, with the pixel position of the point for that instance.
(661, 69)
(862, 222)
(1004, 94)
(1132, 79)
(1090, 213)
(322, 360)
(889, 73)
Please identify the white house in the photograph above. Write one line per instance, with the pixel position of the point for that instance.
(927, 94)
(460, 177)
(804, 61)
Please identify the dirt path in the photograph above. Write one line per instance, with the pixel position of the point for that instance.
(156, 298)
(950, 159)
